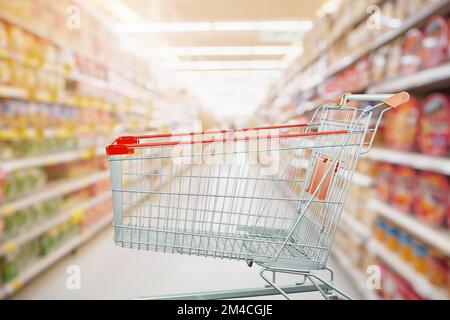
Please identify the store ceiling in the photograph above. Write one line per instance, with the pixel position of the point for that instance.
(227, 52)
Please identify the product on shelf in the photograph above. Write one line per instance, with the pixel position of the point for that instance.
(393, 64)
(404, 184)
(401, 126)
(437, 268)
(431, 203)
(384, 181)
(394, 287)
(406, 247)
(411, 60)
(420, 257)
(434, 125)
(393, 238)
(435, 42)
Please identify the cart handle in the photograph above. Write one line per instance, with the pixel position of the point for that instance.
(126, 145)
(392, 100)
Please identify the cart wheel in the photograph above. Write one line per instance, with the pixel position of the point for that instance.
(249, 263)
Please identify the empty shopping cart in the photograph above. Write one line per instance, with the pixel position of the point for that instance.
(269, 195)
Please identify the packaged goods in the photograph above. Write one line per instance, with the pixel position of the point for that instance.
(420, 257)
(435, 42)
(404, 184)
(431, 203)
(437, 268)
(393, 238)
(384, 181)
(401, 126)
(378, 62)
(393, 64)
(434, 125)
(4, 41)
(406, 247)
(411, 60)
(380, 230)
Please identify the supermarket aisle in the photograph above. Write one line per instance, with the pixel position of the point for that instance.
(110, 272)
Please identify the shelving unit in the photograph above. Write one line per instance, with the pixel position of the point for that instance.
(355, 225)
(434, 78)
(418, 281)
(53, 191)
(49, 159)
(10, 245)
(436, 237)
(41, 265)
(410, 159)
(356, 276)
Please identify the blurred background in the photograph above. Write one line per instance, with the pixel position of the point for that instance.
(76, 74)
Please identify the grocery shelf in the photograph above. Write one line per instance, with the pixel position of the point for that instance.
(441, 6)
(411, 159)
(436, 237)
(335, 36)
(434, 78)
(10, 245)
(362, 180)
(53, 190)
(126, 74)
(49, 159)
(358, 227)
(12, 92)
(418, 281)
(16, 284)
(356, 276)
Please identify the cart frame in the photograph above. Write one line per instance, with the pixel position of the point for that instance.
(291, 235)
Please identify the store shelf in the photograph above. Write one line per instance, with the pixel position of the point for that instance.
(418, 281)
(356, 226)
(410, 159)
(362, 180)
(52, 191)
(434, 78)
(356, 276)
(50, 159)
(12, 92)
(441, 6)
(334, 37)
(436, 237)
(16, 284)
(11, 245)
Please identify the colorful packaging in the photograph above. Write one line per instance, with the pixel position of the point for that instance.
(431, 203)
(384, 181)
(406, 247)
(420, 257)
(401, 126)
(393, 238)
(411, 60)
(404, 183)
(437, 268)
(434, 125)
(435, 42)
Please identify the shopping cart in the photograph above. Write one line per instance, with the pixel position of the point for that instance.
(268, 195)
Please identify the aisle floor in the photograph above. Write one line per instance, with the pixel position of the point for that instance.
(110, 272)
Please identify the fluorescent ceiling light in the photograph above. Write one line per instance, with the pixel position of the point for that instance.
(159, 27)
(225, 51)
(223, 65)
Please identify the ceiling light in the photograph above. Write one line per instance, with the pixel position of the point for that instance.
(158, 27)
(225, 51)
(223, 65)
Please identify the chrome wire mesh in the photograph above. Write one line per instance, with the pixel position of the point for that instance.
(247, 199)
